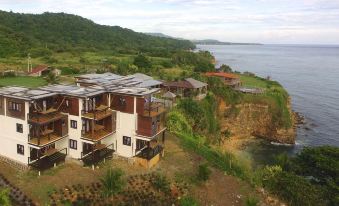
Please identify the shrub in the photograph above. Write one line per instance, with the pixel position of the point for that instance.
(176, 122)
(113, 182)
(203, 172)
(292, 188)
(161, 183)
(188, 201)
(4, 197)
(252, 201)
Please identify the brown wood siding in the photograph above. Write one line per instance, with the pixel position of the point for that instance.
(61, 127)
(144, 126)
(16, 114)
(73, 106)
(140, 105)
(127, 106)
(2, 106)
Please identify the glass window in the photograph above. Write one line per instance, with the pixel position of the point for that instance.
(73, 144)
(19, 128)
(126, 140)
(20, 149)
(74, 124)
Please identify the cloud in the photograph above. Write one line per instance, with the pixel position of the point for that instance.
(273, 21)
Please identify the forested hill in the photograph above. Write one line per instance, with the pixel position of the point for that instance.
(60, 32)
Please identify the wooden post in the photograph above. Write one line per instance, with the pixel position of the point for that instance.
(92, 128)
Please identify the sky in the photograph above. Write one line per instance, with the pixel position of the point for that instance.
(259, 21)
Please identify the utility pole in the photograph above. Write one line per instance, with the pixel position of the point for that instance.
(29, 63)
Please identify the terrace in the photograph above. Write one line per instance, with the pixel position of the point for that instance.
(50, 158)
(46, 138)
(153, 109)
(98, 113)
(97, 153)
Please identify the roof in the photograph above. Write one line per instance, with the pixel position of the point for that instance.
(25, 93)
(135, 91)
(38, 69)
(222, 74)
(141, 76)
(110, 79)
(188, 83)
(169, 95)
(76, 91)
(196, 83)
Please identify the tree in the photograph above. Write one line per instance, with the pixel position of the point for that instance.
(225, 68)
(142, 61)
(113, 182)
(52, 78)
(4, 197)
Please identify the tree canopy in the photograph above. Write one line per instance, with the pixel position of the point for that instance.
(21, 34)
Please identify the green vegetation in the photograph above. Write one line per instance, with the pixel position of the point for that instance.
(161, 183)
(309, 178)
(113, 182)
(43, 34)
(51, 78)
(203, 173)
(252, 201)
(31, 82)
(4, 197)
(188, 201)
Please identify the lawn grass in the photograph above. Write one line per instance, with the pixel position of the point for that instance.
(253, 82)
(30, 82)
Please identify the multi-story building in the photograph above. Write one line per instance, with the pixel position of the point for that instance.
(41, 127)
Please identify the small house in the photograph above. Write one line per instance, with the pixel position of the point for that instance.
(39, 71)
(187, 88)
(228, 79)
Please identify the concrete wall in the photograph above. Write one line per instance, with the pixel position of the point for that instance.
(9, 137)
(75, 134)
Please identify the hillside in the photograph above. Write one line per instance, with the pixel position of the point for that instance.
(60, 32)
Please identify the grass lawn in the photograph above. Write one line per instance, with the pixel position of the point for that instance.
(253, 82)
(31, 82)
(178, 165)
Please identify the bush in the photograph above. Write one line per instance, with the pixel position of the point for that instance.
(203, 172)
(292, 188)
(252, 201)
(113, 182)
(188, 201)
(176, 122)
(142, 61)
(69, 71)
(161, 183)
(4, 197)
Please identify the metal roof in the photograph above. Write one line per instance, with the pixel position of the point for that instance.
(76, 91)
(25, 93)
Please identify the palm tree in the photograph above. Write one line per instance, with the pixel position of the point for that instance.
(113, 182)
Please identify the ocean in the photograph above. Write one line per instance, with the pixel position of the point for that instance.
(309, 73)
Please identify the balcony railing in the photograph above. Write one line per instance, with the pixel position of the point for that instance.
(97, 135)
(153, 109)
(48, 137)
(48, 160)
(155, 129)
(99, 113)
(98, 154)
(44, 118)
(149, 153)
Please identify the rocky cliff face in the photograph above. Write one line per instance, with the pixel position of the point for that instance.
(247, 120)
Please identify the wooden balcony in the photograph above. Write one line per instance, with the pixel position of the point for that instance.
(149, 157)
(153, 109)
(99, 153)
(48, 160)
(99, 113)
(47, 137)
(98, 135)
(44, 118)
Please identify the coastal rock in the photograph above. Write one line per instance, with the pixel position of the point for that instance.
(246, 120)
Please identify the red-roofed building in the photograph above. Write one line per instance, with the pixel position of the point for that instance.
(39, 71)
(229, 79)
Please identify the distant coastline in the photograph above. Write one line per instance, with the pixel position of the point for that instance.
(216, 42)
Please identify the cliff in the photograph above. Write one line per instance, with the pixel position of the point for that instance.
(252, 119)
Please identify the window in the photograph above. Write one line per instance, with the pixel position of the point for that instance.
(73, 144)
(19, 128)
(63, 123)
(122, 101)
(74, 124)
(20, 149)
(14, 106)
(126, 140)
